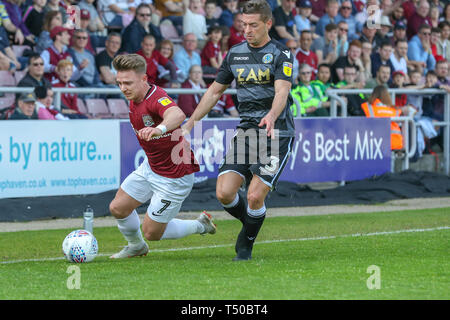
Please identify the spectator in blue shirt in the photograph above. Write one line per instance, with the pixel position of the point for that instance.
(419, 49)
(187, 56)
(345, 14)
(329, 17)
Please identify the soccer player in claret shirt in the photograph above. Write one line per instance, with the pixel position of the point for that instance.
(166, 177)
(262, 68)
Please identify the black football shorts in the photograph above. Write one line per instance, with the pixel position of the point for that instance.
(252, 152)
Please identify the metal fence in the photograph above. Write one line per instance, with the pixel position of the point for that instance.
(407, 123)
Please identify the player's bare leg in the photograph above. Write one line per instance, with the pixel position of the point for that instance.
(227, 188)
(253, 220)
(123, 208)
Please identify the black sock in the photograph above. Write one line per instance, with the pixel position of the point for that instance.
(249, 232)
(239, 211)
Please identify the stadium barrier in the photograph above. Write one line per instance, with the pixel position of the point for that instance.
(407, 124)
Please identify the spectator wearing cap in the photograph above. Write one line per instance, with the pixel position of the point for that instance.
(382, 57)
(419, 50)
(345, 14)
(57, 52)
(95, 22)
(34, 17)
(398, 81)
(284, 27)
(383, 34)
(26, 107)
(304, 9)
(368, 34)
(330, 16)
(133, 35)
(419, 18)
(399, 58)
(326, 47)
(399, 32)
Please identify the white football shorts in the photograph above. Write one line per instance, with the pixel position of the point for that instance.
(167, 194)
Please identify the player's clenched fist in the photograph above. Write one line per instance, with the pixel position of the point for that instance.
(148, 132)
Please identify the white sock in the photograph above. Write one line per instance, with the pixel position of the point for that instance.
(130, 227)
(178, 228)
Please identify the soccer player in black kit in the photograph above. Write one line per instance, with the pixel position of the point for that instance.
(262, 68)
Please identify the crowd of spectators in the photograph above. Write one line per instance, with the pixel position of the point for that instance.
(349, 44)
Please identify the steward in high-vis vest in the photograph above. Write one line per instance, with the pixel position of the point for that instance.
(308, 97)
(379, 110)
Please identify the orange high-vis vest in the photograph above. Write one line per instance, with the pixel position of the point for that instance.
(379, 110)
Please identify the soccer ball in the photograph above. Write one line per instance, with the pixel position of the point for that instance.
(80, 246)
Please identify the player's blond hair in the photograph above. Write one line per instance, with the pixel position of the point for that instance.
(127, 62)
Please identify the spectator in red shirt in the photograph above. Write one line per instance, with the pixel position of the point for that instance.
(236, 31)
(318, 9)
(188, 102)
(157, 64)
(304, 54)
(211, 54)
(69, 101)
(419, 18)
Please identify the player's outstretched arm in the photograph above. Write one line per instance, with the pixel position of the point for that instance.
(282, 90)
(208, 101)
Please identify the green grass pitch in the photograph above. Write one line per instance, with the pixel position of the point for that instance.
(383, 255)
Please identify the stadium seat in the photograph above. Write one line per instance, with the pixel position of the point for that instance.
(82, 106)
(98, 108)
(18, 75)
(118, 108)
(7, 79)
(19, 49)
(7, 100)
(168, 31)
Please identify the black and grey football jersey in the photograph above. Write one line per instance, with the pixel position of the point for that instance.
(255, 71)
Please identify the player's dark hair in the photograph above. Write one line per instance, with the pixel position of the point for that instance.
(130, 62)
(261, 7)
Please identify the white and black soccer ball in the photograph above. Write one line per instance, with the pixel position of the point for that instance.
(80, 246)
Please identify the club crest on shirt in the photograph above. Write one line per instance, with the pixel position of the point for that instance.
(267, 58)
(164, 101)
(287, 69)
(148, 121)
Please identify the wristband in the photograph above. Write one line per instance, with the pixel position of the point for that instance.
(162, 127)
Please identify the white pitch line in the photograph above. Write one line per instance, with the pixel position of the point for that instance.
(381, 233)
